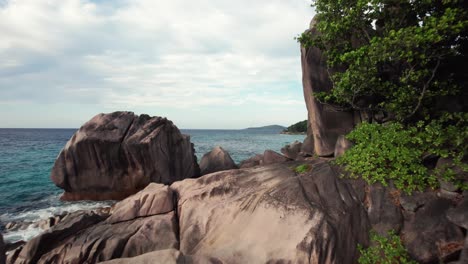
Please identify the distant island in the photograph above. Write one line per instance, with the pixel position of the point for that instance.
(272, 128)
(298, 128)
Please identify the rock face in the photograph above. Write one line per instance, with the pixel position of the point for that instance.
(269, 214)
(326, 122)
(115, 155)
(427, 233)
(384, 212)
(216, 160)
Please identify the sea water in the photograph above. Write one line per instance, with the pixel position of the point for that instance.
(27, 157)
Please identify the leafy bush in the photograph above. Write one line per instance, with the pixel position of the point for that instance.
(385, 250)
(399, 57)
(394, 152)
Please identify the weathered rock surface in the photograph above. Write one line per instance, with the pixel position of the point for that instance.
(2, 250)
(155, 199)
(271, 157)
(115, 155)
(459, 214)
(342, 145)
(168, 256)
(428, 235)
(292, 150)
(269, 214)
(326, 122)
(384, 212)
(216, 160)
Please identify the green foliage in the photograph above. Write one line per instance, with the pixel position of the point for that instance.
(299, 127)
(385, 250)
(405, 59)
(394, 56)
(394, 152)
(302, 168)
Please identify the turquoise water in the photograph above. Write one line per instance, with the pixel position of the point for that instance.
(27, 156)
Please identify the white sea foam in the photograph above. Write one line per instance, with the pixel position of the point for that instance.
(56, 208)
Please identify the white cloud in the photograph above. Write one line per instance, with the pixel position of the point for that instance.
(154, 53)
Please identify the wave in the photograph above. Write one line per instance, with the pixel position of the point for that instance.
(55, 207)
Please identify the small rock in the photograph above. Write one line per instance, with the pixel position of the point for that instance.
(216, 160)
(270, 157)
(292, 150)
(251, 162)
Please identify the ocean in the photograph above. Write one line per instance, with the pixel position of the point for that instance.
(27, 156)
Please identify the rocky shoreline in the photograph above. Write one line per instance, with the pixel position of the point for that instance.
(294, 207)
(263, 210)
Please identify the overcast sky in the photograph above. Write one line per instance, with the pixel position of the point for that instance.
(202, 64)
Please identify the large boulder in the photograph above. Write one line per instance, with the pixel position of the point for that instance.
(326, 122)
(216, 160)
(269, 214)
(115, 155)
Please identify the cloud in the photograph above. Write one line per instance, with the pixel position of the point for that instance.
(153, 53)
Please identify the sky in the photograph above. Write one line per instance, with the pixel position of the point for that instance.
(202, 64)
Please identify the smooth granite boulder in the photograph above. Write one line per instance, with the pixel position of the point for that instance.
(155, 199)
(269, 214)
(216, 160)
(115, 155)
(326, 122)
